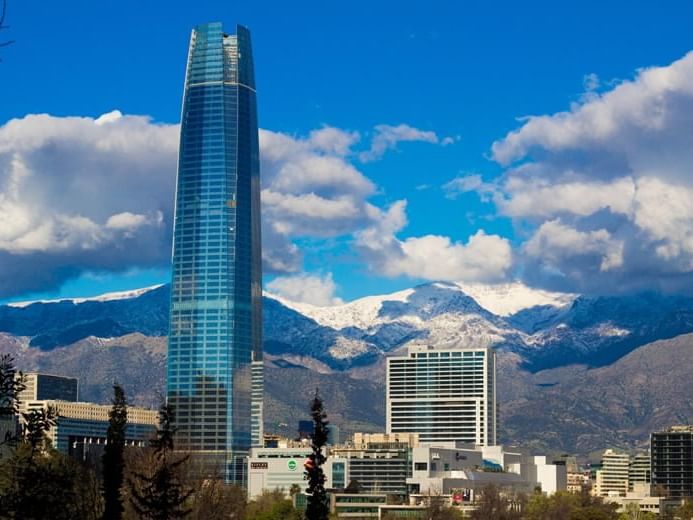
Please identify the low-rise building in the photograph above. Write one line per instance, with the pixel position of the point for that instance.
(640, 496)
(357, 506)
(408, 511)
(81, 428)
(462, 470)
(578, 480)
(272, 469)
(380, 463)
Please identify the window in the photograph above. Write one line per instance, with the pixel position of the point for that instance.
(420, 466)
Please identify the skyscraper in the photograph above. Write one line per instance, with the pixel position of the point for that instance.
(216, 323)
(443, 394)
(672, 461)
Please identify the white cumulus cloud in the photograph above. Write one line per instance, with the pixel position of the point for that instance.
(484, 258)
(387, 137)
(306, 288)
(606, 186)
(85, 194)
(80, 194)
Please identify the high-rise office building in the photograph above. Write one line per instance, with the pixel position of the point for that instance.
(612, 478)
(216, 322)
(41, 387)
(639, 470)
(443, 394)
(672, 461)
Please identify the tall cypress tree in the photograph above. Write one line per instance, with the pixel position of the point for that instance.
(317, 507)
(113, 464)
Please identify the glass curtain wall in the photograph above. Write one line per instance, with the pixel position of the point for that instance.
(215, 328)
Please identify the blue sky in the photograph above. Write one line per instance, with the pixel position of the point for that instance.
(462, 70)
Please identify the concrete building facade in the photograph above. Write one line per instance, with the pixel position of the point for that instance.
(612, 478)
(80, 426)
(380, 463)
(461, 471)
(639, 473)
(271, 469)
(48, 387)
(443, 394)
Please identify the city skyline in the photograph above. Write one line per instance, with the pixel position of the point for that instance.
(473, 226)
(357, 150)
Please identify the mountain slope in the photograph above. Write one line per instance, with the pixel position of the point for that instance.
(547, 330)
(570, 409)
(53, 324)
(580, 409)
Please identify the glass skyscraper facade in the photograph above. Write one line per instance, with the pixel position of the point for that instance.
(216, 323)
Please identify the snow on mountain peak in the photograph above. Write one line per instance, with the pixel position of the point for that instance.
(119, 295)
(500, 299)
(361, 313)
(509, 298)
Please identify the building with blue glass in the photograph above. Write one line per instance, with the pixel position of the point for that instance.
(216, 323)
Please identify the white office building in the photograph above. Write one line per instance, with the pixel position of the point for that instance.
(461, 471)
(612, 478)
(274, 469)
(444, 394)
(257, 402)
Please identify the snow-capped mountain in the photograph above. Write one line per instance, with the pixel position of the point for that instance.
(546, 329)
(106, 297)
(634, 383)
(431, 313)
(499, 299)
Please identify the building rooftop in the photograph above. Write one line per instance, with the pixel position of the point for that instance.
(678, 429)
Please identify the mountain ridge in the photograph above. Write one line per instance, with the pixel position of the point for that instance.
(560, 330)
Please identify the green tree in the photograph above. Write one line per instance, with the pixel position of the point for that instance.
(160, 492)
(89, 500)
(685, 511)
(569, 506)
(559, 506)
(594, 508)
(216, 500)
(37, 482)
(12, 383)
(633, 512)
(493, 505)
(437, 508)
(112, 460)
(38, 485)
(272, 505)
(317, 507)
(36, 423)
